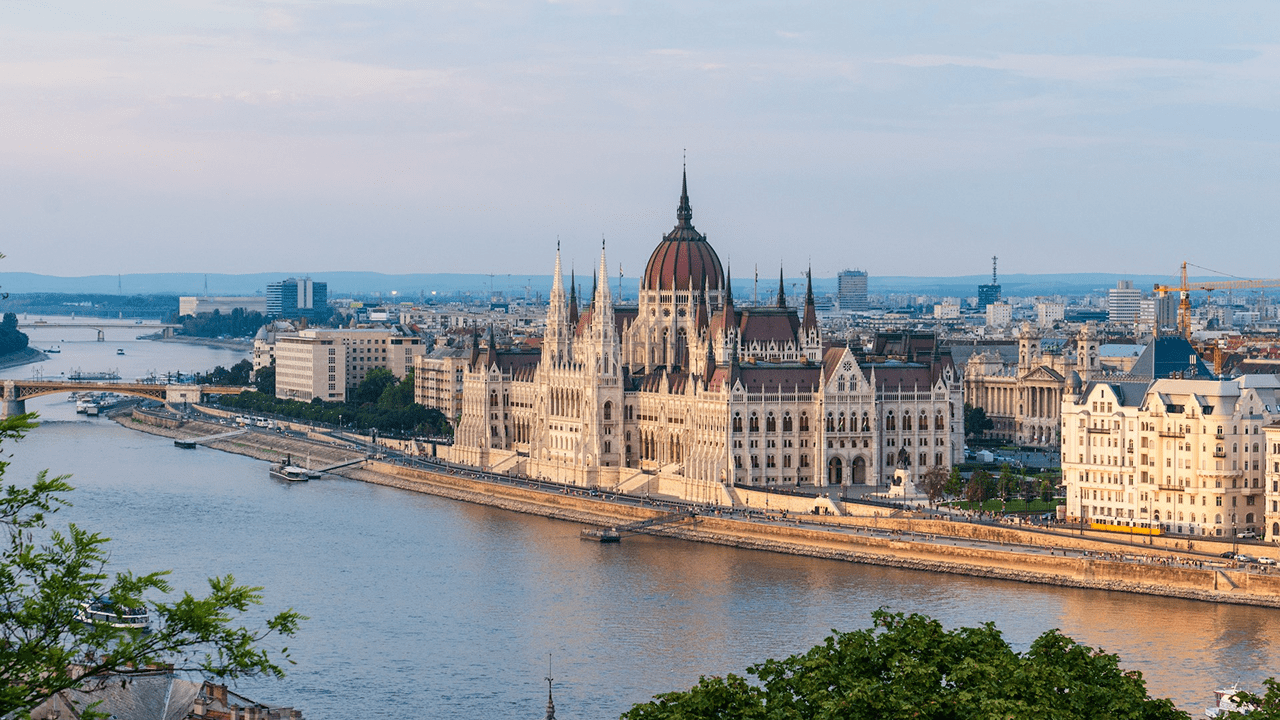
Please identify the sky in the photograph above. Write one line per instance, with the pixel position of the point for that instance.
(900, 137)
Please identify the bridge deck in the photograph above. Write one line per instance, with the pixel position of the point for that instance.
(344, 463)
(613, 534)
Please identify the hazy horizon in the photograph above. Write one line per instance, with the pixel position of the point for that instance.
(906, 139)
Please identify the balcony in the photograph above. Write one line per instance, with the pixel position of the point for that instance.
(1171, 434)
(1098, 431)
(1171, 488)
(1219, 453)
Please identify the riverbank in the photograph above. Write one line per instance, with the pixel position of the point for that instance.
(22, 357)
(224, 344)
(908, 542)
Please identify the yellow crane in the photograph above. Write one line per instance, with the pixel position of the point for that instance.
(1184, 303)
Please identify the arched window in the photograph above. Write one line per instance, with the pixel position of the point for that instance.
(608, 410)
(804, 422)
(786, 422)
(831, 422)
(889, 423)
(737, 423)
(906, 421)
(770, 423)
(938, 422)
(866, 422)
(840, 424)
(754, 423)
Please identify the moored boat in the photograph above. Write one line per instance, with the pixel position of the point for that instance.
(1224, 702)
(104, 612)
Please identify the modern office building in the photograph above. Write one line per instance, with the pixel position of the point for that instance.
(988, 294)
(1124, 302)
(328, 364)
(298, 297)
(851, 290)
(196, 305)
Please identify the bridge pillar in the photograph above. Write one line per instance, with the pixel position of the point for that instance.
(167, 333)
(102, 337)
(9, 405)
(177, 394)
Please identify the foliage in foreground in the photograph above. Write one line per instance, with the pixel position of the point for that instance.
(47, 575)
(908, 666)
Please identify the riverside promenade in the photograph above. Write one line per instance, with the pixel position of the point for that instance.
(876, 536)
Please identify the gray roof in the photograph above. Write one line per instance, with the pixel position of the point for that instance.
(1169, 357)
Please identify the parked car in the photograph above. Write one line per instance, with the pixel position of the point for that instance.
(1267, 560)
(1247, 534)
(1245, 559)
(1230, 554)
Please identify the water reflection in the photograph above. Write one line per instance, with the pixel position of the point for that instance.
(450, 609)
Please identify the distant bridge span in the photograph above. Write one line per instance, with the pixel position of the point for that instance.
(165, 329)
(17, 392)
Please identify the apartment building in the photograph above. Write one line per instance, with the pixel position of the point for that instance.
(1188, 456)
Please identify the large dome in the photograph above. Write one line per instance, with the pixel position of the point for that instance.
(683, 256)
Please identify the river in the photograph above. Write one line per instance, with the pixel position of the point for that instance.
(426, 607)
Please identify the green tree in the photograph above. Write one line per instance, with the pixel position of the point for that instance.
(955, 482)
(47, 575)
(976, 421)
(980, 488)
(1007, 485)
(265, 380)
(933, 482)
(908, 666)
(375, 382)
(1046, 491)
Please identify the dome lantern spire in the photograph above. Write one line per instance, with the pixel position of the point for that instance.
(684, 215)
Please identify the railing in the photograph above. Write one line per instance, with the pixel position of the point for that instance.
(1171, 434)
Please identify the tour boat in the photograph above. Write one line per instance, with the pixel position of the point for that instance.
(1223, 703)
(104, 612)
(54, 350)
(291, 473)
(119, 351)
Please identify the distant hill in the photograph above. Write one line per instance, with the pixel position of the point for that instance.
(414, 286)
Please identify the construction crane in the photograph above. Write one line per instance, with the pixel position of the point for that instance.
(1184, 303)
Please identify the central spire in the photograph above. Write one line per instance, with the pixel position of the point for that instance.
(685, 213)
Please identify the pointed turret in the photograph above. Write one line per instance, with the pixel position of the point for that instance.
(573, 302)
(491, 355)
(475, 346)
(702, 319)
(684, 214)
(782, 290)
(810, 323)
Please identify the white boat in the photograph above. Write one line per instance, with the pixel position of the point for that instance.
(290, 473)
(119, 351)
(1223, 703)
(92, 409)
(54, 350)
(103, 612)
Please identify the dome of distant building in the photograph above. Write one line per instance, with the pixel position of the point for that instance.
(684, 257)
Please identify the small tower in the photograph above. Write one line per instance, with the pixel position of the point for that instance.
(810, 335)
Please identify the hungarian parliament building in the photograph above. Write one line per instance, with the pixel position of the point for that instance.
(688, 394)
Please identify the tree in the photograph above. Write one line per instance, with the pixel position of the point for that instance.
(47, 575)
(265, 380)
(909, 666)
(955, 482)
(976, 421)
(933, 483)
(1046, 491)
(981, 487)
(375, 382)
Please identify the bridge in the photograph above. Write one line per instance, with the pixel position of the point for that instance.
(13, 400)
(100, 325)
(192, 442)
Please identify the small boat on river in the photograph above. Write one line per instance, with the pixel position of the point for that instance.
(292, 473)
(1223, 702)
(104, 612)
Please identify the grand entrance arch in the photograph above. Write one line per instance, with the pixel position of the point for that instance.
(835, 471)
(858, 475)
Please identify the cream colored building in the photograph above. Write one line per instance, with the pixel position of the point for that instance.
(999, 314)
(327, 364)
(1023, 401)
(687, 394)
(1272, 480)
(1187, 456)
(437, 380)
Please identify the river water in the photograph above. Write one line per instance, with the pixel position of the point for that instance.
(426, 607)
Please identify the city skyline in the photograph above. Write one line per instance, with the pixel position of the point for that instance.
(229, 138)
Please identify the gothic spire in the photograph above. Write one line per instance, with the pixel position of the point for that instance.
(573, 301)
(551, 704)
(782, 290)
(491, 358)
(684, 215)
(810, 309)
